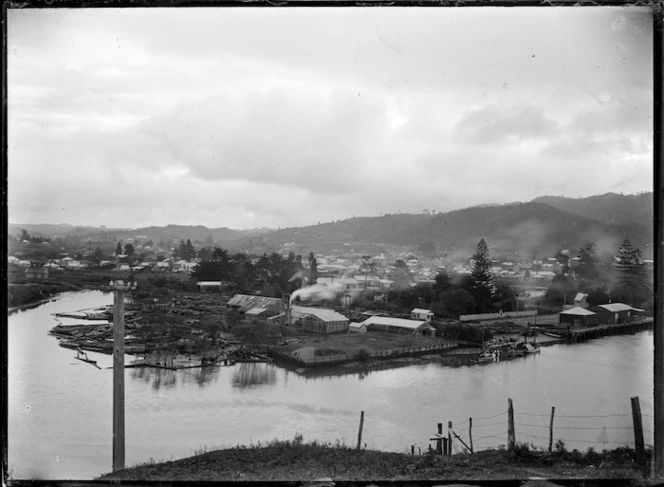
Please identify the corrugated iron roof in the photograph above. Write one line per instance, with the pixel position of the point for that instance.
(327, 315)
(421, 311)
(397, 322)
(580, 296)
(617, 307)
(578, 311)
(248, 301)
(256, 311)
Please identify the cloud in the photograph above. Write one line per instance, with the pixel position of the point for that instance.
(494, 123)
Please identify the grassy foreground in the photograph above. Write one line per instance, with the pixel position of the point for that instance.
(295, 460)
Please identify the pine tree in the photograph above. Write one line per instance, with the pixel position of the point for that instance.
(482, 278)
(118, 248)
(313, 269)
(630, 275)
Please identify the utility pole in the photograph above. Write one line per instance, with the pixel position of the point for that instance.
(119, 288)
(658, 194)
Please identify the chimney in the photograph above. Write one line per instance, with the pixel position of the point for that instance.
(287, 312)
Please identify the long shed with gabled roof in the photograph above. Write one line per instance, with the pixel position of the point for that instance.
(615, 312)
(320, 320)
(245, 302)
(399, 325)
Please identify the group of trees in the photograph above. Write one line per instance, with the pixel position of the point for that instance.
(623, 280)
(271, 275)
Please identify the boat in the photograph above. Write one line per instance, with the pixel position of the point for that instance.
(552, 335)
(528, 348)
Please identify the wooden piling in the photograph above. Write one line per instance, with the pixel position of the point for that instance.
(511, 438)
(553, 411)
(359, 434)
(439, 442)
(639, 445)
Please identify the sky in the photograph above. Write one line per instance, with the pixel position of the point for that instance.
(274, 117)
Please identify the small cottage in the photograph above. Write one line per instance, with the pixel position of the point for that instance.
(421, 314)
(357, 328)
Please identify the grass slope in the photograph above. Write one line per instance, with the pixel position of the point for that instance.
(293, 460)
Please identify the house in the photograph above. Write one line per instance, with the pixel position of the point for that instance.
(615, 313)
(349, 284)
(184, 266)
(162, 266)
(398, 325)
(580, 300)
(578, 317)
(38, 273)
(245, 302)
(319, 320)
(357, 328)
(209, 285)
(421, 314)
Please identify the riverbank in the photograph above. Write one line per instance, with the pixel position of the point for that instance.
(296, 461)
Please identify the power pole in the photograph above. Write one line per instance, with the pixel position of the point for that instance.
(658, 194)
(119, 288)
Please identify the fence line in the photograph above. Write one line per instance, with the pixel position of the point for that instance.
(563, 432)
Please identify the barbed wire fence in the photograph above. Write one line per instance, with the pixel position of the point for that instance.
(548, 431)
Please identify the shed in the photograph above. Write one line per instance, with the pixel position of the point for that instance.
(421, 314)
(245, 302)
(209, 285)
(357, 328)
(615, 313)
(399, 325)
(577, 317)
(580, 300)
(319, 320)
(257, 313)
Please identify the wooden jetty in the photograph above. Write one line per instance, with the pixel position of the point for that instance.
(598, 331)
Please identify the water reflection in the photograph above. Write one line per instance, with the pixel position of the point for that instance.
(157, 378)
(205, 375)
(254, 374)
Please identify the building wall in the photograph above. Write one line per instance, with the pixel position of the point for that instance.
(316, 325)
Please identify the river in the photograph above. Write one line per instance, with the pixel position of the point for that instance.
(59, 409)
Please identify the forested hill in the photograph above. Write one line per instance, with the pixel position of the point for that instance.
(609, 208)
(526, 228)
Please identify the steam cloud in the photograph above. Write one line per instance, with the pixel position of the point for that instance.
(321, 291)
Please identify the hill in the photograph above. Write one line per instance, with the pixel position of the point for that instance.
(611, 208)
(523, 229)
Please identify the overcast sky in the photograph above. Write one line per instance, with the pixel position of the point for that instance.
(249, 117)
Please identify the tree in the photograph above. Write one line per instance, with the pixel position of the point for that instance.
(129, 250)
(482, 278)
(313, 269)
(204, 254)
(98, 255)
(452, 303)
(561, 291)
(587, 266)
(189, 251)
(598, 296)
(631, 280)
(118, 248)
(367, 266)
(401, 275)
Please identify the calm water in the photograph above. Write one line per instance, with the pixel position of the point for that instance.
(60, 409)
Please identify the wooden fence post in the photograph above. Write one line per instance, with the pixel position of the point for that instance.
(449, 437)
(439, 442)
(470, 434)
(511, 438)
(553, 411)
(359, 434)
(639, 446)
